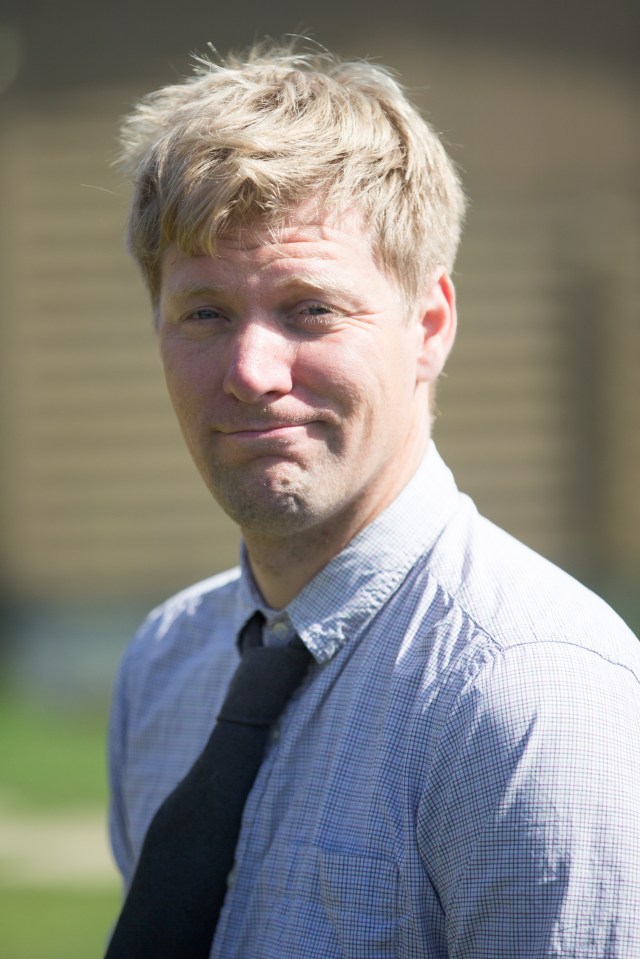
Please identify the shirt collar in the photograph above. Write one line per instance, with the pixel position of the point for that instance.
(348, 592)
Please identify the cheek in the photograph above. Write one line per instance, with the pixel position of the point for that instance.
(345, 380)
(185, 386)
(383, 373)
(185, 371)
(362, 394)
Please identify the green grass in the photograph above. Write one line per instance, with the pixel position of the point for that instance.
(51, 760)
(43, 923)
(52, 763)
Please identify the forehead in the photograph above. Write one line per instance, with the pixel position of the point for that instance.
(336, 248)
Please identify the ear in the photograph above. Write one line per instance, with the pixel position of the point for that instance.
(437, 320)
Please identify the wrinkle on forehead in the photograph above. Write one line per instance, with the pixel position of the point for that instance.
(290, 239)
(306, 224)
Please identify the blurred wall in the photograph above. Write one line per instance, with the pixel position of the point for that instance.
(102, 512)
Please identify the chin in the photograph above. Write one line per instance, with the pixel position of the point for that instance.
(264, 506)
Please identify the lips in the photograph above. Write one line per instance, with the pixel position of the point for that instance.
(260, 429)
(274, 436)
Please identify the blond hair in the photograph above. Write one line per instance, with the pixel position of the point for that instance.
(245, 141)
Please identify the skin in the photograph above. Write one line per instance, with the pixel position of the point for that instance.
(300, 385)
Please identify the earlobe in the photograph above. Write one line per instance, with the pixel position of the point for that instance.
(437, 320)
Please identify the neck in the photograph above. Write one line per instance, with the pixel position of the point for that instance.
(282, 569)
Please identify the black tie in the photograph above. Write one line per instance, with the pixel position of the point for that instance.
(172, 907)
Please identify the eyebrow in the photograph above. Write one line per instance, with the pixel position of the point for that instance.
(184, 290)
(328, 284)
(323, 286)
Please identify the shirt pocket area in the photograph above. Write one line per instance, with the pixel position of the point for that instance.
(360, 895)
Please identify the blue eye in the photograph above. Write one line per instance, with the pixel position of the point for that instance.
(206, 313)
(316, 316)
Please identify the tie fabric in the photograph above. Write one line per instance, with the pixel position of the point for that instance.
(176, 895)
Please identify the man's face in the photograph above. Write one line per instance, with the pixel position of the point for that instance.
(293, 370)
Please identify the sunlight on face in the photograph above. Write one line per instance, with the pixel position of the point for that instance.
(294, 376)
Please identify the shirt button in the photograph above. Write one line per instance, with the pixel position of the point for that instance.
(275, 733)
(281, 629)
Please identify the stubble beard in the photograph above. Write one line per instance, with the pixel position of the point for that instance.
(267, 503)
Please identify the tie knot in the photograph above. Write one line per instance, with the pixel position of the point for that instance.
(251, 633)
(263, 683)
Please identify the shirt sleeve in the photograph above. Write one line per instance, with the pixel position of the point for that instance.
(118, 831)
(529, 826)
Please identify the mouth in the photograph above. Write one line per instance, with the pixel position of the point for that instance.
(265, 431)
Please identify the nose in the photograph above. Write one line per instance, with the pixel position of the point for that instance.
(259, 363)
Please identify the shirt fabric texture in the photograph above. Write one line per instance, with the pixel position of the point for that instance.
(457, 776)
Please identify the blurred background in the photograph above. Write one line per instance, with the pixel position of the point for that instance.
(102, 514)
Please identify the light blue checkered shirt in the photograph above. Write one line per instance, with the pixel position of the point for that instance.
(459, 775)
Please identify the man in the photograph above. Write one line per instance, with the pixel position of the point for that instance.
(457, 773)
